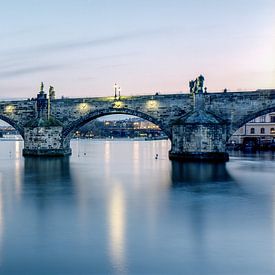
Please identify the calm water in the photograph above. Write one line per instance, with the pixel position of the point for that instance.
(112, 208)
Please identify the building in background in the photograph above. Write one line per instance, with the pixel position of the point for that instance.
(122, 128)
(260, 131)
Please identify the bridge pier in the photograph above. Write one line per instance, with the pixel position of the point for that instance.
(44, 138)
(199, 136)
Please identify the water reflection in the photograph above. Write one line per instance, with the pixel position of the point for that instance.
(263, 155)
(136, 157)
(47, 176)
(117, 221)
(1, 218)
(192, 173)
(273, 223)
(119, 210)
(17, 160)
(107, 157)
(107, 151)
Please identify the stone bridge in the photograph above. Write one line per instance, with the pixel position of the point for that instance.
(198, 124)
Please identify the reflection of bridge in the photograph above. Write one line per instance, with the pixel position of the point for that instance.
(198, 124)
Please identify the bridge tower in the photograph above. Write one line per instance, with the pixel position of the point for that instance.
(199, 135)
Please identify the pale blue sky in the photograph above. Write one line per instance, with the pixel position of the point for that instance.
(83, 47)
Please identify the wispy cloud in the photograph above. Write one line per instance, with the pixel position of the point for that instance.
(16, 69)
(28, 70)
(82, 44)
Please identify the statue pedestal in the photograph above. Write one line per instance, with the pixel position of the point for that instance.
(199, 137)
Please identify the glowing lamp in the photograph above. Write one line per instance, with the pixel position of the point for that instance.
(152, 104)
(9, 109)
(118, 104)
(83, 107)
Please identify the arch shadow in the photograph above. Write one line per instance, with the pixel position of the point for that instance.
(14, 124)
(112, 111)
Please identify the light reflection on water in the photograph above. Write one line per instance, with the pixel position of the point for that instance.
(117, 223)
(113, 208)
(1, 219)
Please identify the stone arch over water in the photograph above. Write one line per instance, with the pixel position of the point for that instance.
(245, 119)
(74, 126)
(14, 124)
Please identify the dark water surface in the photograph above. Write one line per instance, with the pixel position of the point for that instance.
(111, 208)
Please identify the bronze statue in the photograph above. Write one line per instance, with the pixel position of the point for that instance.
(200, 81)
(196, 86)
(50, 90)
(51, 93)
(191, 86)
(41, 87)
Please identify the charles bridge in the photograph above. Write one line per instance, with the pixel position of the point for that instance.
(197, 123)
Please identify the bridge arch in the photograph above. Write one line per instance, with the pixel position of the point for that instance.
(74, 126)
(245, 119)
(14, 124)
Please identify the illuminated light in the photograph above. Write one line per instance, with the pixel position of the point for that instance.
(1, 219)
(136, 161)
(83, 107)
(118, 104)
(9, 109)
(152, 104)
(17, 169)
(115, 90)
(117, 221)
(107, 152)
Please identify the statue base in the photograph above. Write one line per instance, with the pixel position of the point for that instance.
(200, 156)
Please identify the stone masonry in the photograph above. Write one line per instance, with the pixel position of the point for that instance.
(198, 125)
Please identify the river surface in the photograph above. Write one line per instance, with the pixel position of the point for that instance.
(112, 208)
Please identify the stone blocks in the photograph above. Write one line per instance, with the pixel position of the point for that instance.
(44, 141)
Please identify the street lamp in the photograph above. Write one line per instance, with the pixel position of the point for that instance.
(9, 109)
(119, 90)
(115, 88)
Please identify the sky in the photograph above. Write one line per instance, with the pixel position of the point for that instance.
(83, 47)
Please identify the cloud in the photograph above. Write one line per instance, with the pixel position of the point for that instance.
(101, 41)
(110, 66)
(14, 69)
(28, 70)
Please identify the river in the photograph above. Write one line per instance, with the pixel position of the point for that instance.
(112, 208)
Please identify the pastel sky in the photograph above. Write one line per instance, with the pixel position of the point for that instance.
(82, 47)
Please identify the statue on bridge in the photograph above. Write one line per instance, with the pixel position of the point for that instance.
(196, 86)
(51, 93)
(41, 88)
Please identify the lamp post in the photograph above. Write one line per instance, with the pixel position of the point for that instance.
(115, 88)
(119, 90)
